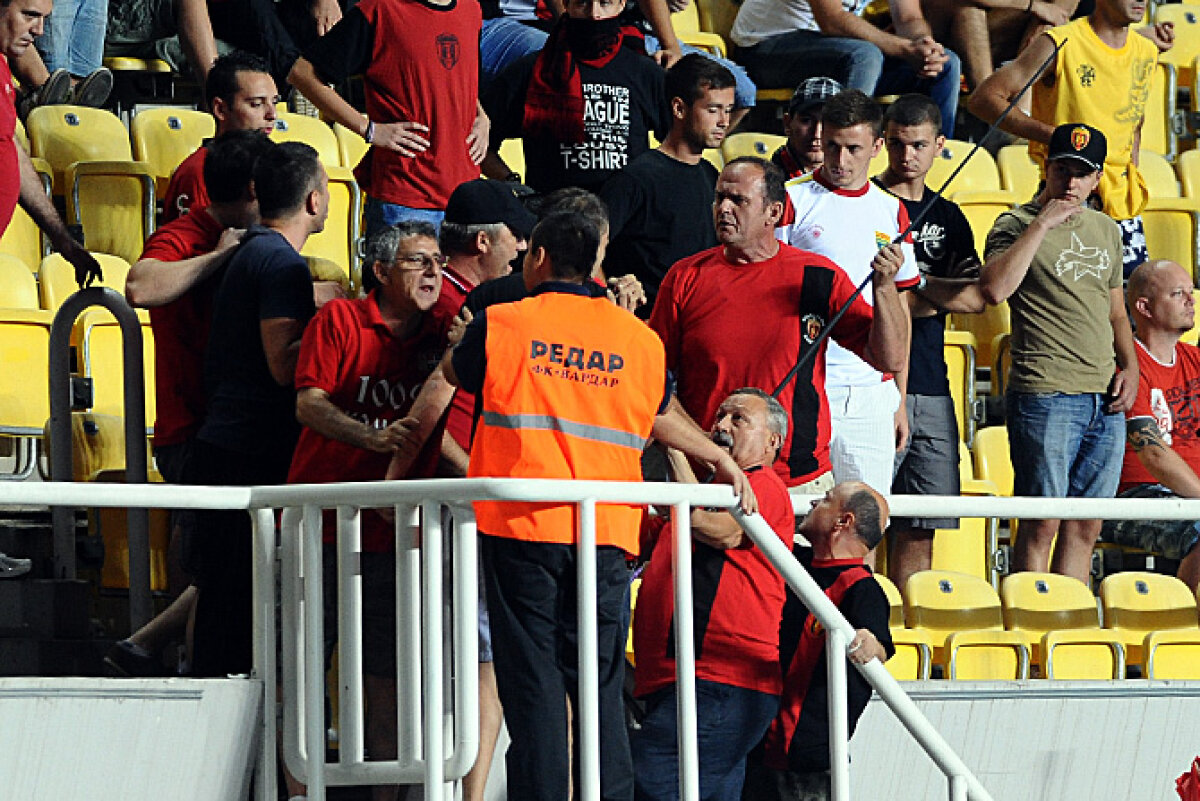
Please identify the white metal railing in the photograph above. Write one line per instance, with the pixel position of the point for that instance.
(425, 756)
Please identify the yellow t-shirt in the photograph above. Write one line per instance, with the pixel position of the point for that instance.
(1106, 88)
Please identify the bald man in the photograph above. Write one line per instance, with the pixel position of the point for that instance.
(843, 526)
(1162, 429)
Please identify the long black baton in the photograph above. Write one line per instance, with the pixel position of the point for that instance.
(814, 348)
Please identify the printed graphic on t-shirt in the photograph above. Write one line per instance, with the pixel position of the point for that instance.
(930, 243)
(1081, 260)
(1177, 410)
(1139, 92)
(606, 112)
(447, 50)
(1162, 413)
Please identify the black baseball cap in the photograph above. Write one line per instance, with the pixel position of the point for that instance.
(812, 93)
(1078, 141)
(485, 202)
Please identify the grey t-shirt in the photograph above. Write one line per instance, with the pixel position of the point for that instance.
(1062, 340)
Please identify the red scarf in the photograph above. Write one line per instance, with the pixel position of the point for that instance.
(554, 100)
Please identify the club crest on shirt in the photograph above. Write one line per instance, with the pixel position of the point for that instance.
(447, 50)
(1087, 74)
(882, 240)
(814, 626)
(810, 327)
(816, 231)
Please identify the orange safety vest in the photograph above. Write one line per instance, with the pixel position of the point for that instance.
(573, 385)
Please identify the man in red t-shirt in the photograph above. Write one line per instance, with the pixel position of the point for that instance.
(176, 278)
(738, 601)
(361, 364)
(241, 97)
(742, 313)
(427, 132)
(20, 22)
(1162, 446)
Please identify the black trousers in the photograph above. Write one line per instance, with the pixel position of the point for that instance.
(222, 557)
(532, 605)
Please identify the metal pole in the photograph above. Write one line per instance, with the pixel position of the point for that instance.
(685, 653)
(314, 652)
(265, 667)
(431, 612)
(839, 728)
(466, 640)
(958, 788)
(588, 713)
(350, 643)
(408, 635)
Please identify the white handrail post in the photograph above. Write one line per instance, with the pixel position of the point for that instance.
(958, 787)
(465, 590)
(314, 652)
(839, 730)
(685, 653)
(265, 667)
(431, 613)
(350, 724)
(291, 642)
(589, 653)
(408, 634)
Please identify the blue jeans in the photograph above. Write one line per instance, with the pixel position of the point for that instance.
(789, 58)
(1064, 446)
(729, 722)
(503, 41)
(744, 89)
(74, 37)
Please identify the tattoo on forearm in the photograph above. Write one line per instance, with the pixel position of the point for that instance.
(1143, 433)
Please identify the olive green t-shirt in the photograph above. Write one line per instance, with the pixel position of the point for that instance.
(1062, 340)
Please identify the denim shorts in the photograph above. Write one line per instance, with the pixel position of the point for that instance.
(1064, 446)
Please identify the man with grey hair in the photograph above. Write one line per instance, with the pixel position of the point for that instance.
(737, 602)
(361, 365)
(843, 526)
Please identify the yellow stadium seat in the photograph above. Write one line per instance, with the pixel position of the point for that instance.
(992, 462)
(716, 16)
(1182, 55)
(291, 127)
(57, 278)
(979, 174)
(966, 470)
(1187, 165)
(1158, 130)
(959, 351)
(1137, 603)
(1037, 603)
(634, 587)
(981, 209)
(687, 29)
(1173, 230)
(18, 287)
(164, 136)
(24, 397)
(23, 238)
(20, 135)
(986, 656)
(513, 154)
(913, 659)
(129, 64)
(338, 241)
(943, 603)
(985, 326)
(1018, 173)
(751, 144)
(101, 358)
(1172, 655)
(969, 548)
(1160, 177)
(879, 163)
(351, 146)
(1082, 654)
(895, 602)
(63, 135)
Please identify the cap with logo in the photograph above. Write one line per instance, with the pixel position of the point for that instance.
(812, 93)
(485, 202)
(1078, 141)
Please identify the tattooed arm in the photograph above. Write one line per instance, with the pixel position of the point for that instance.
(1167, 466)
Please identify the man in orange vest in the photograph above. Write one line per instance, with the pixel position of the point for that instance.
(571, 387)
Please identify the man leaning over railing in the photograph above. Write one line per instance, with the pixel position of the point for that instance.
(737, 601)
(571, 387)
(1162, 438)
(793, 762)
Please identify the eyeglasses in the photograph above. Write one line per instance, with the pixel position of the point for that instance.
(422, 261)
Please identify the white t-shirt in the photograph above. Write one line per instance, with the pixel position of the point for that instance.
(762, 19)
(848, 227)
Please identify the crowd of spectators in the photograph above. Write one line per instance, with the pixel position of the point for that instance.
(489, 343)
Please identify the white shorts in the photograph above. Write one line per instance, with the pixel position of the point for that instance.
(862, 441)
